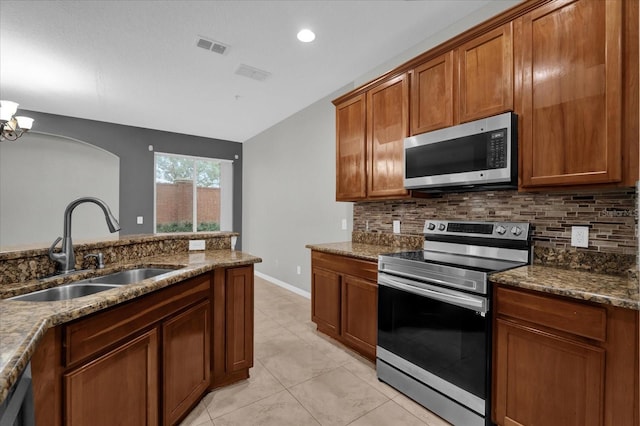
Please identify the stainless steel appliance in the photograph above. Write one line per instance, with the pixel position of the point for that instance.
(434, 315)
(481, 154)
(17, 409)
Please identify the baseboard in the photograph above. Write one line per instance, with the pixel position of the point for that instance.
(284, 285)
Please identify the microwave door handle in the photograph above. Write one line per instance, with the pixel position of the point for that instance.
(477, 304)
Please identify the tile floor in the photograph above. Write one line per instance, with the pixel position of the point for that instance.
(300, 377)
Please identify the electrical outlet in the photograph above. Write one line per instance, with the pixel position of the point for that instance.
(396, 226)
(580, 236)
(139, 220)
(196, 245)
(298, 269)
(344, 224)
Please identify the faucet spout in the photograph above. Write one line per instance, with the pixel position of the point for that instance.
(66, 260)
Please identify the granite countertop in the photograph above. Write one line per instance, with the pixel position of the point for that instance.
(356, 250)
(601, 288)
(22, 324)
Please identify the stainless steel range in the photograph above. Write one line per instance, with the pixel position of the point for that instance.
(434, 315)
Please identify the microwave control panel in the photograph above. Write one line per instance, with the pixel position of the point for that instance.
(497, 149)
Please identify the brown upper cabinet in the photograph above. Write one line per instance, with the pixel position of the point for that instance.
(387, 126)
(370, 132)
(351, 180)
(470, 82)
(432, 94)
(570, 69)
(485, 75)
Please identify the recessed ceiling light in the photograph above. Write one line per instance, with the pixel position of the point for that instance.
(306, 36)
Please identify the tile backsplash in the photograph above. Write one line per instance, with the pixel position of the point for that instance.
(610, 215)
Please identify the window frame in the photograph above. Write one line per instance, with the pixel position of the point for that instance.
(194, 186)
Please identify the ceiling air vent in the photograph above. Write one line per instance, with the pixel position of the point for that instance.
(254, 73)
(214, 46)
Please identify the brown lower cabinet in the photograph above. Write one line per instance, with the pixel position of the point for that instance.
(344, 300)
(232, 331)
(147, 361)
(559, 361)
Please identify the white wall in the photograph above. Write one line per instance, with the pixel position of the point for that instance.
(40, 175)
(289, 175)
(289, 193)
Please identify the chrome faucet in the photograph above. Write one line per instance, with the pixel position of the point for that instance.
(66, 259)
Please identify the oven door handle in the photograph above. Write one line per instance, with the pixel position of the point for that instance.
(478, 304)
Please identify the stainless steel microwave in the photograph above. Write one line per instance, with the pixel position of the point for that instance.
(479, 155)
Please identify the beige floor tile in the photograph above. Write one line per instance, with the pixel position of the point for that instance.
(290, 314)
(275, 340)
(261, 384)
(419, 411)
(199, 416)
(366, 370)
(338, 397)
(388, 414)
(302, 326)
(307, 330)
(262, 325)
(298, 364)
(280, 409)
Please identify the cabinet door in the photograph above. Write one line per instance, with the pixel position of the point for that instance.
(351, 182)
(186, 347)
(570, 54)
(387, 126)
(118, 388)
(325, 301)
(359, 314)
(239, 318)
(542, 379)
(432, 95)
(485, 75)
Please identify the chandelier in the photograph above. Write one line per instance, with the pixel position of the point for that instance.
(12, 127)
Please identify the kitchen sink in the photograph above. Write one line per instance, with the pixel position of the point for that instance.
(90, 286)
(63, 292)
(129, 276)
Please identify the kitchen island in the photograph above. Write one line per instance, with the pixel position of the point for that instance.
(25, 325)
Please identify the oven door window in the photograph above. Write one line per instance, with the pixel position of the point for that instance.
(443, 339)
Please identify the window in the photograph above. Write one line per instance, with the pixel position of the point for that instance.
(193, 194)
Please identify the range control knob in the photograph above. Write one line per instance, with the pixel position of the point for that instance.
(500, 230)
(516, 231)
(441, 227)
(431, 227)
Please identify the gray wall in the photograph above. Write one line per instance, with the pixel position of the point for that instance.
(289, 193)
(131, 144)
(289, 178)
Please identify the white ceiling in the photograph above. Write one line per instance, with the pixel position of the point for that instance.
(136, 62)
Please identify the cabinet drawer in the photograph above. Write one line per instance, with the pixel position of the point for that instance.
(88, 336)
(364, 269)
(576, 318)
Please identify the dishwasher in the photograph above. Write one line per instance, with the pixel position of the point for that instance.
(17, 409)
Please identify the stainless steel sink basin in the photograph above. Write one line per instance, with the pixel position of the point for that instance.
(63, 292)
(129, 276)
(92, 285)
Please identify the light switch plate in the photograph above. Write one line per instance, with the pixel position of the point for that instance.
(580, 236)
(196, 245)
